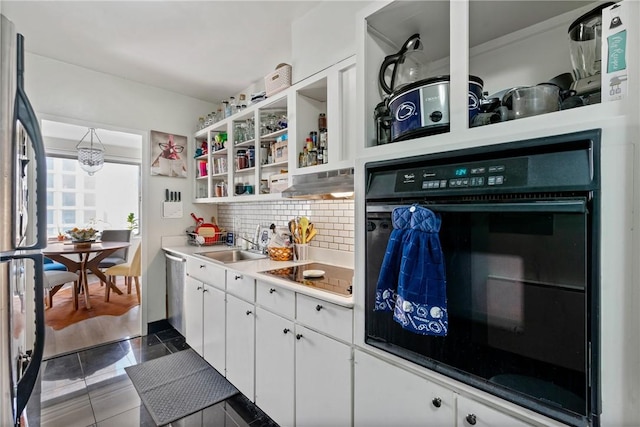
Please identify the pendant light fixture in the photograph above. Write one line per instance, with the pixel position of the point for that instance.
(90, 156)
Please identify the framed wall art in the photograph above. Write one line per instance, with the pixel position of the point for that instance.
(168, 154)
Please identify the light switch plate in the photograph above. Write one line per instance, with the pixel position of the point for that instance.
(172, 209)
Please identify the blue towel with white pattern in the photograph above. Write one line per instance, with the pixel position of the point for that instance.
(412, 282)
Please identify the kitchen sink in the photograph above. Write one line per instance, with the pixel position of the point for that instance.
(234, 255)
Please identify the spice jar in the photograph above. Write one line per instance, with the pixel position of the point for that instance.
(241, 159)
(221, 189)
(322, 122)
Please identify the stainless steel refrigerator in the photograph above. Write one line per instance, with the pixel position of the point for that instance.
(22, 232)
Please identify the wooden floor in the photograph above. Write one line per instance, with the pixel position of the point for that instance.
(92, 332)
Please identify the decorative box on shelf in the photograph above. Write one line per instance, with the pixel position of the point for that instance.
(278, 80)
(278, 182)
(280, 151)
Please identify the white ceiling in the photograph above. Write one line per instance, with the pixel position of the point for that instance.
(208, 50)
(53, 129)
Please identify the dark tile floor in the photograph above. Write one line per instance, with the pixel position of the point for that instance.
(91, 388)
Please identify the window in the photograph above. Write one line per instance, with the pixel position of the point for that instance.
(75, 199)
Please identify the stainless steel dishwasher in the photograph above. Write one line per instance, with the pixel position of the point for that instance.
(175, 290)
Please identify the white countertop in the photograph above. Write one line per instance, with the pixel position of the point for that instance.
(253, 268)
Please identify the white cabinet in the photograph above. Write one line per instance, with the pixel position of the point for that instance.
(258, 129)
(323, 380)
(379, 402)
(205, 321)
(213, 320)
(206, 272)
(193, 314)
(328, 318)
(241, 285)
(305, 365)
(385, 395)
(241, 151)
(275, 338)
(331, 92)
(504, 53)
(476, 414)
(240, 346)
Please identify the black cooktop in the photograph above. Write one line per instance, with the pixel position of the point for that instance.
(337, 280)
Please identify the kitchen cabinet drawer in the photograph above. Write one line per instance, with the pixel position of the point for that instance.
(279, 300)
(472, 413)
(206, 272)
(241, 285)
(420, 403)
(326, 317)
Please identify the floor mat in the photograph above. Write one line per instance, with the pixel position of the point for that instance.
(174, 386)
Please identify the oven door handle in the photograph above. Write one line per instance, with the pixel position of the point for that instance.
(564, 206)
(558, 206)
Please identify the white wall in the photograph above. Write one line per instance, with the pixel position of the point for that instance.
(65, 92)
(79, 95)
(324, 36)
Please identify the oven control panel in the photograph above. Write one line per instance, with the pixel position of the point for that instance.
(511, 172)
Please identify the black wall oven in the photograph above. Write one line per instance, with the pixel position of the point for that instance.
(519, 234)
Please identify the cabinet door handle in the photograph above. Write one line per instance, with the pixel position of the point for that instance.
(202, 266)
(298, 336)
(199, 288)
(238, 276)
(318, 307)
(286, 330)
(249, 312)
(437, 402)
(271, 290)
(471, 419)
(205, 290)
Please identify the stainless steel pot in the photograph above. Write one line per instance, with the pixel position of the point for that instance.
(534, 100)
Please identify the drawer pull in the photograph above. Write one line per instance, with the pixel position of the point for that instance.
(298, 336)
(271, 290)
(437, 402)
(286, 330)
(249, 312)
(203, 266)
(471, 419)
(238, 276)
(199, 288)
(205, 290)
(318, 307)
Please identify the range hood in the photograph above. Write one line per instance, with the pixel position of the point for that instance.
(335, 184)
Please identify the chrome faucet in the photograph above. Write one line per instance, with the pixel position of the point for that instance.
(255, 246)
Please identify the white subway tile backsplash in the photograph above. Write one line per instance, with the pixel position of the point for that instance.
(334, 219)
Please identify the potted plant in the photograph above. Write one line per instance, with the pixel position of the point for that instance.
(132, 223)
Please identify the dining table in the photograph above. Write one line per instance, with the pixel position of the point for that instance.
(84, 258)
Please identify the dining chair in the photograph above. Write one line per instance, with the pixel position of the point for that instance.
(130, 271)
(54, 280)
(51, 265)
(119, 256)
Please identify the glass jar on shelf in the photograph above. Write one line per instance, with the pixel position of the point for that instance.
(240, 132)
(221, 189)
(232, 105)
(241, 159)
(251, 128)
